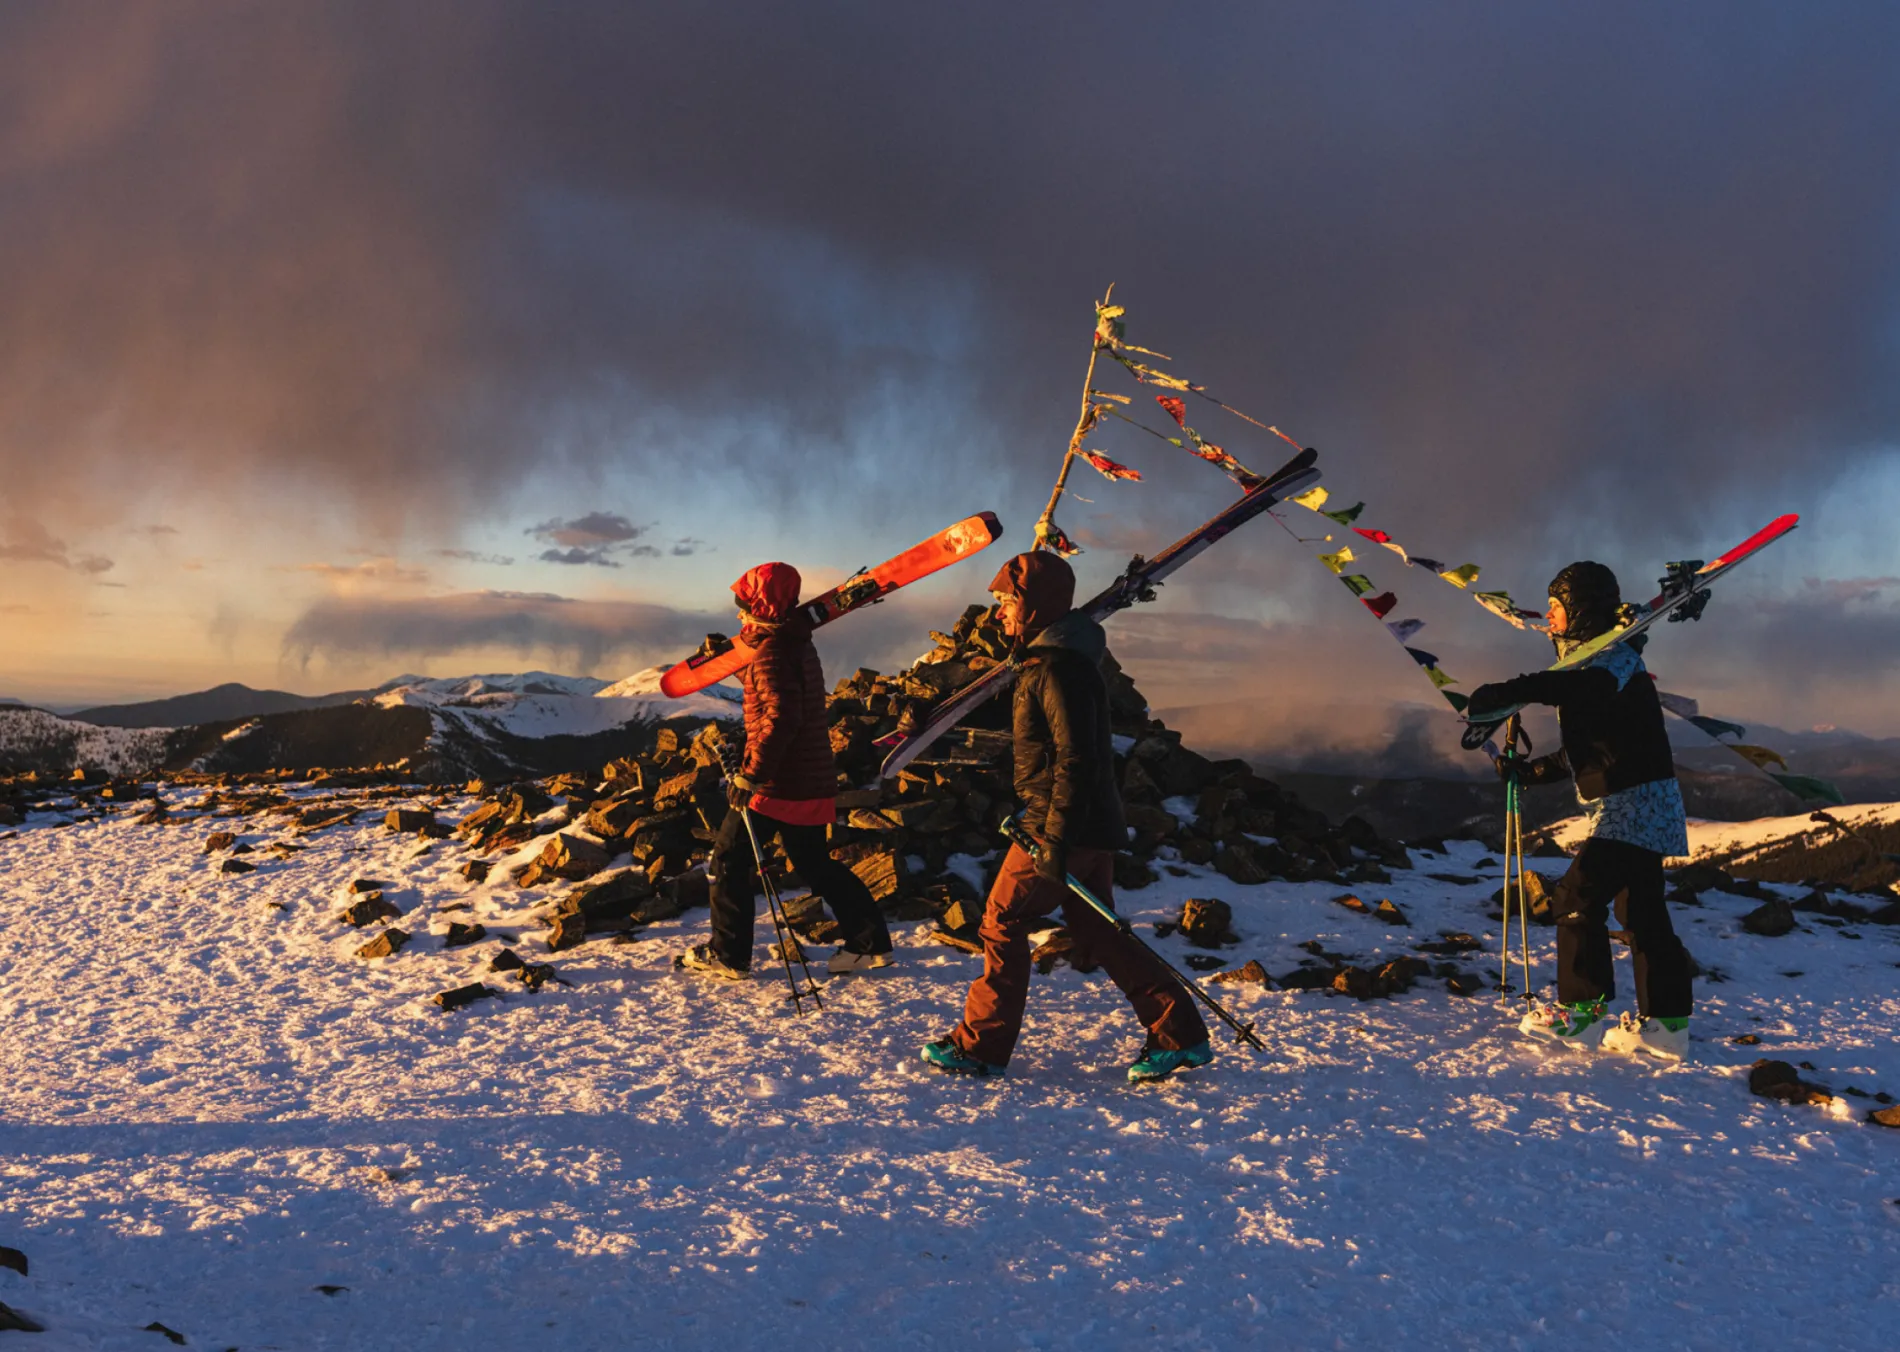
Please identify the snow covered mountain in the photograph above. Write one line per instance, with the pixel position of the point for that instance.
(495, 724)
(32, 739)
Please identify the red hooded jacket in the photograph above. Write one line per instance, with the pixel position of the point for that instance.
(788, 757)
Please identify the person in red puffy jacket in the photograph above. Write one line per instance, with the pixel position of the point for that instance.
(788, 782)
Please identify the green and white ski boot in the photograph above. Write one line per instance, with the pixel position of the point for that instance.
(1667, 1039)
(1578, 1025)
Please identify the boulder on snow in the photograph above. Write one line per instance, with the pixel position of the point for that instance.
(408, 821)
(1772, 919)
(368, 910)
(1207, 922)
(1781, 1082)
(1251, 973)
(573, 857)
(220, 840)
(13, 1258)
(236, 866)
(385, 945)
(476, 870)
(465, 995)
(12, 1320)
(460, 935)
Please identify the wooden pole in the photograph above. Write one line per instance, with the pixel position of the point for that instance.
(1075, 442)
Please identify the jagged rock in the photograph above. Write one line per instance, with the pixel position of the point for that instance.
(1249, 973)
(236, 866)
(1701, 878)
(1463, 983)
(573, 857)
(1398, 975)
(622, 896)
(13, 1258)
(1535, 892)
(1391, 914)
(1884, 1117)
(460, 935)
(1236, 863)
(610, 817)
(465, 995)
(883, 870)
(385, 945)
(1448, 943)
(535, 975)
(363, 886)
(316, 818)
(1131, 874)
(219, 840)
(12, 1320)
(1771, 919)
(1356, 982)
(408, 821)
(505, 961)
(1782, 1082)
(566, 929)
(476, 870)
(1207, 922)
(369, 910)
(1352, 903)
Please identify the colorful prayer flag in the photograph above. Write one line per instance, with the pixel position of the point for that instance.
(1679, 705)
(1176, 407)
(1439, 678)
(1348, 515)
(1462, 576)
(1423, 658)
(1380, 605)
(1312, 499)
(1804, 786)
(1337, 562)
(1402, 630)
(1759, 756)
(1358, 583)
(1716, 728)
(1110, 469)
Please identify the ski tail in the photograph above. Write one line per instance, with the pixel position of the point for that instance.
(863, 588)
(1136, 584)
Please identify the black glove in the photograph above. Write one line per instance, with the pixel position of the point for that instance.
(1508, 767)
(1489, 701)
(1053, 862)
(739, 791)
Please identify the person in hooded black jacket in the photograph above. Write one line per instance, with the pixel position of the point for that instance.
(1065, 777)
(1616, 749)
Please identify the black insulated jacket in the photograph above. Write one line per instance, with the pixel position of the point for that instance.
(1612, 739)
(1065, 755)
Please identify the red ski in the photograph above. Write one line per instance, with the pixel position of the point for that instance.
(865, 587)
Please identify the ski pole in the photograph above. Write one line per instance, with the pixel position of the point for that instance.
(1243, 1032)
(788, 944)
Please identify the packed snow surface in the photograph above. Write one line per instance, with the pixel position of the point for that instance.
(1721, 838)
(216, 1118)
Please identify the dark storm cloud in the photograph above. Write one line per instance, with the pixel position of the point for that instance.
(377, 247)
(593, 540)
(1545, 278)
(352, 628)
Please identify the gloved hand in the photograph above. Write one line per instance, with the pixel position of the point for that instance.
(739, 791)
(1508, 768)
(1488, 700)
(1053, 862)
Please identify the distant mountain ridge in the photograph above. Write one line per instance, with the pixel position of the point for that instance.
(532, 723)
(215, 705)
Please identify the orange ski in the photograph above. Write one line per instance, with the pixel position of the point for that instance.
(865, 587)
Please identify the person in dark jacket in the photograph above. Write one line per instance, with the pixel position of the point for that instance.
(788, 783)
(1616, 749)
(1065, 777)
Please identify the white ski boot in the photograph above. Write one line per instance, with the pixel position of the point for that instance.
(1634, 1034)
(848, 960)
(1579, 1025)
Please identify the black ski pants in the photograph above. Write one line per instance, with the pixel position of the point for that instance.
(735, 884)
(1606, 873)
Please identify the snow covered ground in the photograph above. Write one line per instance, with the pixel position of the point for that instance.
(211, 1111)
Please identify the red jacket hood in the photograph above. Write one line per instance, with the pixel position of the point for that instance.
(768, 592)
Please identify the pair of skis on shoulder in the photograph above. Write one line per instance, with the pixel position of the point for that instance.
(1685, 591)
(869, 586)
(1136, 584)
